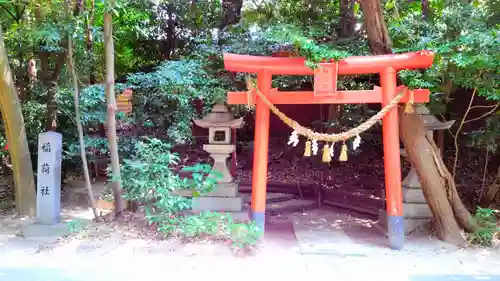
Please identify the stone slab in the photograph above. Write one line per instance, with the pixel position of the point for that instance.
(217, 204)
(326, 241)
(413, 195)
(35, 231)
(409, 225)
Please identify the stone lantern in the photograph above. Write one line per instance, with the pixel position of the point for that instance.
(224, 196)
(416, 212)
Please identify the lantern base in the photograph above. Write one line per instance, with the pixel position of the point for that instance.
(217, 204)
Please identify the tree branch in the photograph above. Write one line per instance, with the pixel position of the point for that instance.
(482, 116)
(484, 106)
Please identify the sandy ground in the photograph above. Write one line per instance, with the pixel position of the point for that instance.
(352, 251)
(323, 243)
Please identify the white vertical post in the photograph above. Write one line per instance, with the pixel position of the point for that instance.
(48, 207)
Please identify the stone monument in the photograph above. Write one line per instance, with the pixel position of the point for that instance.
(48, 198)
(224, 197)
(416, 212)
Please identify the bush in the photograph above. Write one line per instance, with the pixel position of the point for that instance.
(488, 231)
(149, 177)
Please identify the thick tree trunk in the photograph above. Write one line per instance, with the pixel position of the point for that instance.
(13, 120)
(419, 150)
(111, 114)
(378, 35)
(437, 183)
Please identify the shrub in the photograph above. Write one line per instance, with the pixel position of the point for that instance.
(149, 177)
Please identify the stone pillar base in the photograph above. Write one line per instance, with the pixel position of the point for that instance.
(217, 204)
(229, 189)
(409, 224)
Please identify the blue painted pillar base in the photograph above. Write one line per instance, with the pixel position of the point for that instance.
(395, 230)
(259, 218)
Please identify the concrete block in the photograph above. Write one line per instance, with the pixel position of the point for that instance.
(217, 204)
(413, 195)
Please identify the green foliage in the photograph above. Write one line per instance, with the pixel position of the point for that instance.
(165, 98)
(132, 26)
(149, 177)
(489, 231)
(489, 136)
(76, 225)
(465, 46)
(306, 47)
(215, 226)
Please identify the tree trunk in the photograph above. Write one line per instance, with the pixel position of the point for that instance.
(378, 35)
(111, 114)
(170, 31)
(83, 155)
(49, 80)
(232, 12)
(90, 41)
(437, 183)
(347, 19)
(425, 9)
(419, 150)
(492, 192)
(12, 115)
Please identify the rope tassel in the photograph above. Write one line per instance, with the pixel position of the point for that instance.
(326, 154)
(307, 151)
(328, 138)
(409, 104)
(343, 153)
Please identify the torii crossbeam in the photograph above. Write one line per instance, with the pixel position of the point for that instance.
(385, 65)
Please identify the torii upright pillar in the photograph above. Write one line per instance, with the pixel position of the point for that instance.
(392, 164)
(260, 154)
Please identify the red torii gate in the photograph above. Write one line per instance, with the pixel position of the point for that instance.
(386, 65)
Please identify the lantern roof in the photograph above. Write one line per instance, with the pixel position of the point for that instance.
(430, 121)
(219, 117)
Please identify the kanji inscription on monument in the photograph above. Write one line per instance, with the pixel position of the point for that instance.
(48, 207)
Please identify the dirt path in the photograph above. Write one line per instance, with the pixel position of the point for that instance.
(126, 251)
